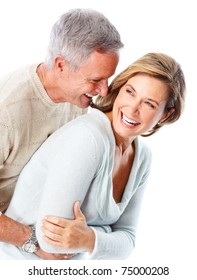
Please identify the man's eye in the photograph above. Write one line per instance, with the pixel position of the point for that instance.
(94, 81)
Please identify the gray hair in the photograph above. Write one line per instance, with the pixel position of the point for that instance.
(78, 33)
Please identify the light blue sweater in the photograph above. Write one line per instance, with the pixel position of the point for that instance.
(76, 163)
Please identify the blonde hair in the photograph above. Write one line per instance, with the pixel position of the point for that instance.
(160, 66)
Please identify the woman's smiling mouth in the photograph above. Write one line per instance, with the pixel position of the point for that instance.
(128, 122)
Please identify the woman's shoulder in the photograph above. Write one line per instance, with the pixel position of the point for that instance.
(95, 123)
(92, 129)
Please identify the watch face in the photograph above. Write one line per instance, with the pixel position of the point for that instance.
(29, 247)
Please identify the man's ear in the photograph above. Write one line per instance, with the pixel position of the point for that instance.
(167, 115)
(60, 63)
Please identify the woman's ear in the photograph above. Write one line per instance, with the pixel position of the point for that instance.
(166, 115)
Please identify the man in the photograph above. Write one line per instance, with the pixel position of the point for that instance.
(36, 100)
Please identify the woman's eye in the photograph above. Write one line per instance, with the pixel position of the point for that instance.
(150, 105)
(129, 91)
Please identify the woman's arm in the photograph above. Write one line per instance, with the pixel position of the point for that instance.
(121, 241)
(69, 234)
(110, 242)
(69, 178)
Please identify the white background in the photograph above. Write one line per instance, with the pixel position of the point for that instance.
(167, 228)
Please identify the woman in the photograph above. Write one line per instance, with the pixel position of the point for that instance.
(100, 160)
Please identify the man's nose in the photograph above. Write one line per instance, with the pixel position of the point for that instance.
(103, 87)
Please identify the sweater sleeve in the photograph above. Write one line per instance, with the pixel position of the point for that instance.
(120, 242)
(5, 137)
(69, 178)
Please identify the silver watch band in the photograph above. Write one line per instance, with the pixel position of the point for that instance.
(31, 245)
(33, 234)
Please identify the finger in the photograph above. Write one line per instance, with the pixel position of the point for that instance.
(69, 256)
(61, 222)
(51, 235)
(51, 228)
(52, 241)
(77, 211)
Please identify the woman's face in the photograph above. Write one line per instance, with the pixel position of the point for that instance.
(139, 106)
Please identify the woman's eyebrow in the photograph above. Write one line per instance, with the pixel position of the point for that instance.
(130, 87)
(157, 103)
(149, 99)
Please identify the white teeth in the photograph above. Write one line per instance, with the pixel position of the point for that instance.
(128, 121)
(89, 95)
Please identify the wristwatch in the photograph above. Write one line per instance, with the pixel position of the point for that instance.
(31, 245)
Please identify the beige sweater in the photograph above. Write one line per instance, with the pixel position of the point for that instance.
(27, 117)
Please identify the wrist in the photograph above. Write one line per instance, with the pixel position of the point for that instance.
(26, 232)
(31, 244)
(91, 240)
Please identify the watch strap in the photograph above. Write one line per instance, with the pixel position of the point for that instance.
(31, 241)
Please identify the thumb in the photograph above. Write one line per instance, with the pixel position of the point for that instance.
(77, 211)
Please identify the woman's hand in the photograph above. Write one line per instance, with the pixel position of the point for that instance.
(69, 234)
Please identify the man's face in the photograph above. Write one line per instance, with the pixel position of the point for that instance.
(79, 86)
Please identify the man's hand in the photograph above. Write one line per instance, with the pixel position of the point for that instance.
(69, 234)
(49, 256)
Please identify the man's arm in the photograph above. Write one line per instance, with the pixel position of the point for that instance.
(13, 232)
(17, 234)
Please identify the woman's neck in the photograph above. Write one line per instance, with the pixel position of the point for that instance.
(124, 145)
